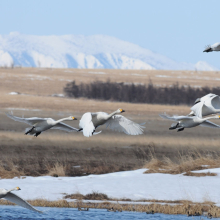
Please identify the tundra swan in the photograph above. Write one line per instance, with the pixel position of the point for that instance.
(7, 194)
(214, 47)
(207, 105)
(42, 124)
(90, 121)
(189, 122)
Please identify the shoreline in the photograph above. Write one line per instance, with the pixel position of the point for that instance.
(163, 208)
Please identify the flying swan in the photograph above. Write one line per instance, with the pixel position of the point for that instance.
(214, 47)
(189, 122)
(90, 121)
(42, 124)
(207, 105)
(8, 195)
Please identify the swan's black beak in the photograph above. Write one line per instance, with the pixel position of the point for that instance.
(122, 111)
(207, 50)
(74, 118)
(18, 188)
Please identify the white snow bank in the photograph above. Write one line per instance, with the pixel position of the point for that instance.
(128, 184)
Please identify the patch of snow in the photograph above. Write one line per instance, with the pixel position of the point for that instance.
(134, 185)
(5, 59)
(13, 93)
(204, 66)
(163, 76)
(23, 109)
(58, 95)
(97, 73)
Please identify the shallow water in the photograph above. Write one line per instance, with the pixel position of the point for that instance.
(15, 212)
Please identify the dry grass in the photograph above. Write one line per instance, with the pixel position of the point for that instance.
(90, 196)
(181, 208)
(190, 162)
(49, 81)
(58, 169)
(9, 170)
(199, 174)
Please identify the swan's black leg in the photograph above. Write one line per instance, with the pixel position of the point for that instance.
(174, 126)
(181, 129)
(30, 130)
(38, 133)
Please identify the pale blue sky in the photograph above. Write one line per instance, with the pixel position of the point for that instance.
(177, 29)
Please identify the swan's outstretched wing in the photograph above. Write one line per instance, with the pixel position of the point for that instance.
(209, 124)
(121, 124)
(206, 97)
(175, 117)
(64, 127)
(30, 121)
(19, 201)
(86, 124)
(198, 109)
(202, 108)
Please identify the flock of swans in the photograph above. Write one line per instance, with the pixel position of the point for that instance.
(206, 105)
(88, 123)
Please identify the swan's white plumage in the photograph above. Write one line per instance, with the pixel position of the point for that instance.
(16, 199)
(189, 122)
(30, 121)
(64, 127)
(90, 121)
(43, 124)
(209, 104)
(213, 47)
(175, 117)
(121, 124)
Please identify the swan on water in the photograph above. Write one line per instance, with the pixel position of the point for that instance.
(42, 124)
(207, 105)
(189, 122)
(8, 195)
(214, 47)
(90, 121)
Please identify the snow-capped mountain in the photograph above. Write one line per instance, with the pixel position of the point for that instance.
(78, 51)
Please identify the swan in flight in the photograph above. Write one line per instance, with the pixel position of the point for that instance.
(189, 122)
(42, 124)
(214, 47)
(8, 195)
(90, 121)
(207, 105)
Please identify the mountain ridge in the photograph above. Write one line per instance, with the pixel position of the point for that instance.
(79, 51)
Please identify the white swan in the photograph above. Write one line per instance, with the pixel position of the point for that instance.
(42, 124)
(6, 194)
(207, 105)
(214, 47)
(189, 122)
(90, 121)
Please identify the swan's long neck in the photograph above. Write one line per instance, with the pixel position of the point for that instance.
(112, 114)
(62, 119)
(12, 189)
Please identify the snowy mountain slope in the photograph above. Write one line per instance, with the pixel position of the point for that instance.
(78, 51)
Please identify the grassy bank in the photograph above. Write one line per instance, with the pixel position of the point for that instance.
(180, 208)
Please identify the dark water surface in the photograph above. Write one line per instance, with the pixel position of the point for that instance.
(15, 212)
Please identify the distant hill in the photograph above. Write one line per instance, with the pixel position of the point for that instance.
(78, 51)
